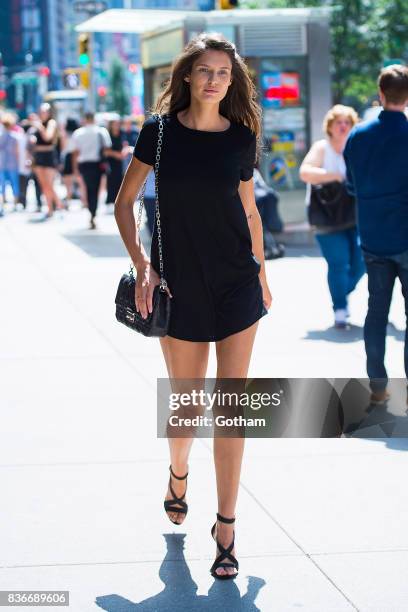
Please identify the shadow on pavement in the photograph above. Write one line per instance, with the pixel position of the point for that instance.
(104, 245)
(363, 419)
(353, 333)
(41, 218)
(398, 334)
(180, 590)
(98, 245)
(302, 251)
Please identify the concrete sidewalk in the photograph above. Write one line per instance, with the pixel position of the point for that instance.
(322, 524)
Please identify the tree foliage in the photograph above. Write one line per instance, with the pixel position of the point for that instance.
(365, 35)
(118, 98)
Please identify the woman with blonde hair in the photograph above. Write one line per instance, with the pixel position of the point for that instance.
(324, 170)
(211, 234)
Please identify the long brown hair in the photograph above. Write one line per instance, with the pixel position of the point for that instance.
(240, 102)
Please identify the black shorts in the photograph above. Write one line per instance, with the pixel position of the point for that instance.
(46, 159)
(68, 169)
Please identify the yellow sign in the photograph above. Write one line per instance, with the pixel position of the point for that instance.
(280, 146)
(291, 160)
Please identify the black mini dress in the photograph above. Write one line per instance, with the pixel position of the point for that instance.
(208, 261)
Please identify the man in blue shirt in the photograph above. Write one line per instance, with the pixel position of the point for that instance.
(376, 156)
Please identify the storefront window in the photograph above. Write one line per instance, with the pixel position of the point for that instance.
(282, 85)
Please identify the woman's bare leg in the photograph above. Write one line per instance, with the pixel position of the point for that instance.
(233, 357)
(45, 177)
(183, 359)
(41, 175)
(68, 180)
(51, 173)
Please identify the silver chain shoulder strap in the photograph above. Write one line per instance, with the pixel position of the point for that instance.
(163, 283)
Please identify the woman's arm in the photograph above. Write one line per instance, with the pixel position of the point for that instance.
(48, 133)
(311, 170)
(247, 195)
(147, 278)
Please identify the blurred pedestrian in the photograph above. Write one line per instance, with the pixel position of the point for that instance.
(90, 143)
(377, 173)
(129, 131)
(24, 162)
(70, 180)
(46, 156)
(115, 156)
(331, 209)
(150, 201)
(372, 111)
(267, 203)
(9, 159)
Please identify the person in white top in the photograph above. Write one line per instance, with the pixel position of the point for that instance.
(67, 174)
(339, 244)
(24, 163)
(89, 144)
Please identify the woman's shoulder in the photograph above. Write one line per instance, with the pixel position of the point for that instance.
(244, 133)
(150, 120)
(320, 145)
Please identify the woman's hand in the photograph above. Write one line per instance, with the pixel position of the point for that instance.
(266, 294)
(146, 280)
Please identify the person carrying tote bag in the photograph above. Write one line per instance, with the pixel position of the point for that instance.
(331, 210)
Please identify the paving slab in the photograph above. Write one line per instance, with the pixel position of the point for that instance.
(321, 524)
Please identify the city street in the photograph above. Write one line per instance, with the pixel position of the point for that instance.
(320, 523)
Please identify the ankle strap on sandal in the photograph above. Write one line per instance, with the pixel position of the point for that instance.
(175, 476)
(223, 519)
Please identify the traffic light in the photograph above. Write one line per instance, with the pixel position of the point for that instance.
(83, 49)
(228, 4)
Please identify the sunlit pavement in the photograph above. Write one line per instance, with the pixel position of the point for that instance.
(321, 523)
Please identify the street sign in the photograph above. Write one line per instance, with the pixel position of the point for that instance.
(25, 78)
(90, 6)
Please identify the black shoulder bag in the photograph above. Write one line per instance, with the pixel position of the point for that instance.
(331, 205)
(157, 322)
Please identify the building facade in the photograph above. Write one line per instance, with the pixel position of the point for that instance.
(33, 47)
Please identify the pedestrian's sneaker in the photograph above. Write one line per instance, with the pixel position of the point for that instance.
(340, 318)
(378, 398)
(274, 252)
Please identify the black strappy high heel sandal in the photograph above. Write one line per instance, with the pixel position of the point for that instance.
(224, 553)
(169, 504)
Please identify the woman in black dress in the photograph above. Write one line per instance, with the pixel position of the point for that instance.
(212, 245)
(46, 157)
(115, 156)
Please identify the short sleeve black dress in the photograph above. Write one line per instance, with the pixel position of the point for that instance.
(208, 261)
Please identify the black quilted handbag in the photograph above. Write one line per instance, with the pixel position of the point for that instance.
(157, 322)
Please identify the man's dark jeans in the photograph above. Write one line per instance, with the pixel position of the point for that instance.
(382, 272)
(92, 174)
